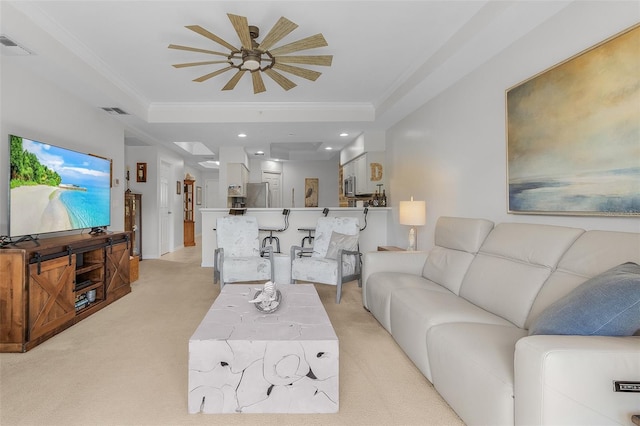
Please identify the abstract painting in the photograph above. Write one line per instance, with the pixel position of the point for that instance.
(573, 134)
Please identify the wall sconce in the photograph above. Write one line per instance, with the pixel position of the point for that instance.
(413, 213)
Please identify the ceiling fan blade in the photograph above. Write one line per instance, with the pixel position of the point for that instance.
(300, 72)
(258, 83)
(283, 81)
(241, 26)
(324, 60)
(195, 49)
(198, 29)
(234, 80)
(213, 74)
(279, 31)
(304, 44)
(194, 64)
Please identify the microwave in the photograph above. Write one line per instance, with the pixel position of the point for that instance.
(350, 186)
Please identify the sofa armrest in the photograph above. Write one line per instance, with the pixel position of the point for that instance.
(570, 379)
(410, 262)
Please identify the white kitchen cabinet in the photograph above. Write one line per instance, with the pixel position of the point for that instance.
(348, 169)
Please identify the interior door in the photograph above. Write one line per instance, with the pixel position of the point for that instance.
(165, 215)
(275, 188)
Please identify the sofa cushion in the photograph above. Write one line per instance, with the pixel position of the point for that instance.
(594, 252)
(413, 311)
(457, 241)
(536, 244)
(380, 286)
(512, 265)
(463, 234)
(473, 370)
(606, 305)
(447, 267)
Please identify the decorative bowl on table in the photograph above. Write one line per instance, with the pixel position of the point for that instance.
(268, 299)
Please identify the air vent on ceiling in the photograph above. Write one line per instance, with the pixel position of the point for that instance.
(115, 111)
(11, 48)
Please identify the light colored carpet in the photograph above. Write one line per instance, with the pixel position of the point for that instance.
(127, 364)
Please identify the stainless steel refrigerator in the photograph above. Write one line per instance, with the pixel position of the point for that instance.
(258, 195)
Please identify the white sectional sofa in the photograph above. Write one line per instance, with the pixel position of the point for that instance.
(462, 313)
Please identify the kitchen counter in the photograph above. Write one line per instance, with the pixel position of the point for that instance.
(374, 235)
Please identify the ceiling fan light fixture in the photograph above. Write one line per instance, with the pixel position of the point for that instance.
(251, 61)
(250, 55)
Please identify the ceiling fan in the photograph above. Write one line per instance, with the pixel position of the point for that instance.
(259, 57)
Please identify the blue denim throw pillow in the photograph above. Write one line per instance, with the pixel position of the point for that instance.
(605, 305)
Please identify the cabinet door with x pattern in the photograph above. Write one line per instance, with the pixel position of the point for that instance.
(51, 297)
(117, 278)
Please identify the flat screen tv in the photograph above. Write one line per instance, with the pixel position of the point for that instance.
(54, 189)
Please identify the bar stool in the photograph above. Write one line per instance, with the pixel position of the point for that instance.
(311, 230)
(309, 237)
(271, 230)
(365, 212)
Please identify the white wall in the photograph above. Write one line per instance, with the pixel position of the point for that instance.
(294, 173)
(150, 190)
(34, 108)
(257, 166)
(452, 151)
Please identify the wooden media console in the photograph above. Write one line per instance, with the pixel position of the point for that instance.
(47, 285)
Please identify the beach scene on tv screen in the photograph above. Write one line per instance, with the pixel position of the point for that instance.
(55, 189)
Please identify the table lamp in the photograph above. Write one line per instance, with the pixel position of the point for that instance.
(412, 213)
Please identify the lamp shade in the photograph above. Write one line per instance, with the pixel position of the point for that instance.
(413, 213)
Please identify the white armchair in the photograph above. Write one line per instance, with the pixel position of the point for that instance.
(335, 257)
(239, 257)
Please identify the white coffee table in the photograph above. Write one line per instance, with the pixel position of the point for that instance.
(244, 361)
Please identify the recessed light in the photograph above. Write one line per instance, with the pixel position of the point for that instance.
(328, 148)
(344, 134)
(242, 135)
(259, 152)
